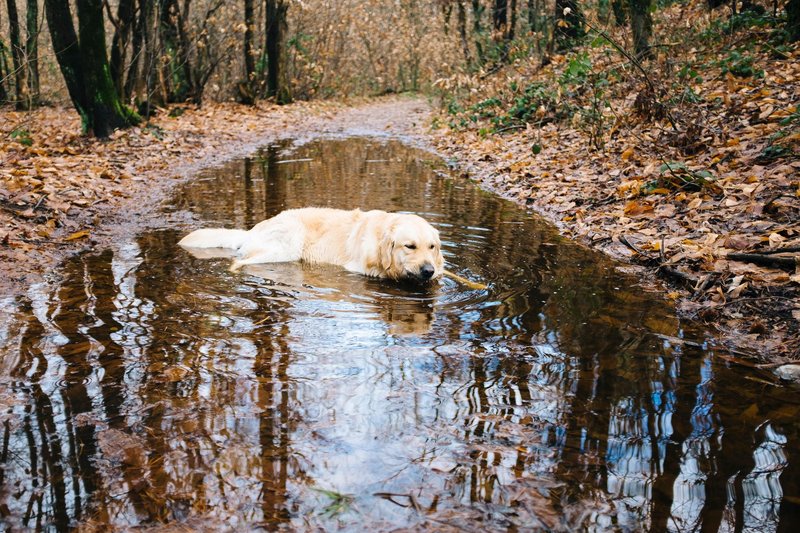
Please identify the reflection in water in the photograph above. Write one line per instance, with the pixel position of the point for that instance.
(151, 386)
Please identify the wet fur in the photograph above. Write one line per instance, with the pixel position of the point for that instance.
(374, 243)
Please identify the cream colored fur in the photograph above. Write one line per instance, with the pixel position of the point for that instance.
(374, 243)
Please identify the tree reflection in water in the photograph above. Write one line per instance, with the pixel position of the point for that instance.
(149, 386)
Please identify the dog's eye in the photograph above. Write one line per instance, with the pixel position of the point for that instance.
(433, 246)
(411, 246)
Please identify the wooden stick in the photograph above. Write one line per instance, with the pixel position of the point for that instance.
(766, 260)
(464, 281)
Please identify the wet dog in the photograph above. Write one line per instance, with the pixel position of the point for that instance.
(374, 243)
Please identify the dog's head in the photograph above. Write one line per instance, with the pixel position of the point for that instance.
(410, 249)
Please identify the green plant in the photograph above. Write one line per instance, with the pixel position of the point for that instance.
(676, 176)
(740, 65)
(577, 70)
(340, 503)
(22, 136)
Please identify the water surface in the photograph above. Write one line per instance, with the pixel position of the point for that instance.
(153, 387)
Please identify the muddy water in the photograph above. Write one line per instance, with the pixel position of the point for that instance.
(152, 387)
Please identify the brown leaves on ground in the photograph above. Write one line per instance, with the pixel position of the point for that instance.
(725, 180)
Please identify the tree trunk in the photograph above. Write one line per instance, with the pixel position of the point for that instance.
(477, 29)
(154, 85)
(107, 112)
(512, 21)
(126, 14)
(275, 29)
(641, 26)
(32, 49)
(462, 31)
(84, 65)
(246, 92)
(68, 54)
(132, 77)
(620, 12)
(3, 72)
(793, 19)
(176, 70)
(18, 58)
(500, 19)
(568, 24)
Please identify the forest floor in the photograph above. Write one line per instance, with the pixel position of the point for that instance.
(675, 178)
(688, 166)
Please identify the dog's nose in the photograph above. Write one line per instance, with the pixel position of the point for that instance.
(426, 271)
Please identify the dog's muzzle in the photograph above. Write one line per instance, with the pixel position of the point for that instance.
(426, 271)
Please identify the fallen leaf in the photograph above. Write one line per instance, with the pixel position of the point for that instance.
(77, 235)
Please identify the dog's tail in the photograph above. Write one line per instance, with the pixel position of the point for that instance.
(215, 238)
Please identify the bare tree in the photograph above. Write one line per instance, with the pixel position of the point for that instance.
(126, 15)
(793, 19)
(641, 26)
(3, 71)
(32, 49)
(246, 92)
(462, 31)
(274, 33)
(22, 96)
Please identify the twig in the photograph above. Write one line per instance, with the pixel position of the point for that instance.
(512, 127)
(765, 260)
(678, 275)
(788, 249)
(464, 281)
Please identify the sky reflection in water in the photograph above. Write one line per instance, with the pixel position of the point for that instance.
(151, 386)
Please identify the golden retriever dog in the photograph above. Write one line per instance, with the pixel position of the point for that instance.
(375, 243)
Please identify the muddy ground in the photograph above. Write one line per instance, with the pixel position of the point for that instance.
(61, 193)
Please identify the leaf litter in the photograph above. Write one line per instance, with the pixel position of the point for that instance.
(703, 190)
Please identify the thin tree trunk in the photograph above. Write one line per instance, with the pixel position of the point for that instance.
(155, 88)
(462, 31)
(275, 28)
(620, 12)
(3, 72)
(793, 19)
(512, 21)
(32, 49)
(173, 72)
(246, 92)
(22, 96)
(126, 14)
(131, 76)
(477, 28)
(500, 19)
(533, 13)
(641, 26)
(185, 57)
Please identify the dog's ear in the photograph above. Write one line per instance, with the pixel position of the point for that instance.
(386, 249)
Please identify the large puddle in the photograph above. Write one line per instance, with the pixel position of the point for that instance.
(153, 387)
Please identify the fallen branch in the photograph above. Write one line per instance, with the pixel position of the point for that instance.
(678, 275)
(788, 249)
(766, 260)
